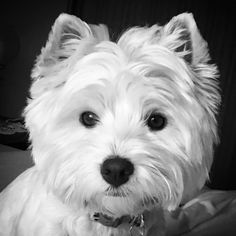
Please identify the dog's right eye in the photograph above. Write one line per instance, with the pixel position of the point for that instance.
(89, 119)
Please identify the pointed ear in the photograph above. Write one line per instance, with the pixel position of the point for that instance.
(69, 34)
(182, 36)
(69, 40)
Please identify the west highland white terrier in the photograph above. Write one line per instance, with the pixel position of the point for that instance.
(120, 131)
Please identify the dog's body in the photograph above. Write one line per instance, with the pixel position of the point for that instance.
(119, 131)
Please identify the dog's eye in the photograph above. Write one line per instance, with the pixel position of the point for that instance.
(89, 119)
(156, 121)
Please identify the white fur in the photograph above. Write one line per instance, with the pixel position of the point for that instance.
(80, 69)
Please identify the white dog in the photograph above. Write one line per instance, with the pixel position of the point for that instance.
(119, 130)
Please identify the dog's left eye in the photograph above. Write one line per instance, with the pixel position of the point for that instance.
(156, 121)
(89, 119)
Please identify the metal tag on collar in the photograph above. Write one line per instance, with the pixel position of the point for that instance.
(137, 226)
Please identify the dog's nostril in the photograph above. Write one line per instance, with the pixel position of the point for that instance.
(116, 171)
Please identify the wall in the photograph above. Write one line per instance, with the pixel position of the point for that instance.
(32, 21)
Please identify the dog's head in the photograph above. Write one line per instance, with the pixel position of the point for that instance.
(120, 127)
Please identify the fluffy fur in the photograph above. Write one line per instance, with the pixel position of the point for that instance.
(159, 68)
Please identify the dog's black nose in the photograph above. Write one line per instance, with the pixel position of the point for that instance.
(116, 170)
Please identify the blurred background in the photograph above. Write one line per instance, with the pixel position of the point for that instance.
(24, 28)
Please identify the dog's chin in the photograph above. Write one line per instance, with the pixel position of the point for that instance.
(117, 204)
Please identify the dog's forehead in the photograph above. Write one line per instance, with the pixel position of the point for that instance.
(128, 92)
(109, 76)
(110, 61)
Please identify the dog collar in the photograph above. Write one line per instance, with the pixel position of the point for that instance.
(135, 222)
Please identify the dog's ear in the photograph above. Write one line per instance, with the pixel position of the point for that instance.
(66, 30)
(69, 38)
(182, 36)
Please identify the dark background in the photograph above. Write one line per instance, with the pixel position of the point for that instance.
(24, 27)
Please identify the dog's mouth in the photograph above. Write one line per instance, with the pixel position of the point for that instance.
(118, 202)
(123, 193)
(116, 192)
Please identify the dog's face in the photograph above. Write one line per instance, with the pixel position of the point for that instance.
(121, 127)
